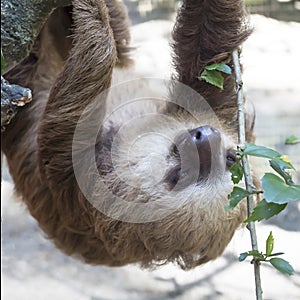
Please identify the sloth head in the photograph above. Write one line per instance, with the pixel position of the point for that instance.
(173, 158)
(163, 183)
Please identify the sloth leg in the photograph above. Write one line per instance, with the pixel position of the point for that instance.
(207, 32)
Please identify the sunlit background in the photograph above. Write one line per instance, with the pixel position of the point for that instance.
(143, 10)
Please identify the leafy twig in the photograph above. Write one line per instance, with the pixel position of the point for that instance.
(278, 263)
(213, 74)
(248, 179)
(277, 190)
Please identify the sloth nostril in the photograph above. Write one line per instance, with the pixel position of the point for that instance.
(198, 135)
(201, 134)
(172, 177)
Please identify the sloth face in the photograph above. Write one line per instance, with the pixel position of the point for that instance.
(162, 178)
(175, 178)
(160, 159)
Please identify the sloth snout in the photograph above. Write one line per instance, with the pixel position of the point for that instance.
(205, 135)
(195, 163)
(208, 142)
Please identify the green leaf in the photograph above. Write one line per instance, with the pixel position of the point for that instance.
(282, 265)
(276, 254)
(236, 196)
(283, 162)
(219, 67)
(237, 172)
(269, 244)
(280, 165)
(292, 140)
(213, 77)
(265, 210)
(243, 256)
(260, 151)
(257, 254)
(253, 253)
(277, 191)
(2, 62)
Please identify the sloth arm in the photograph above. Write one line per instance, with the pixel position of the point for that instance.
(38, 142)
(207, 32)
(87, 73)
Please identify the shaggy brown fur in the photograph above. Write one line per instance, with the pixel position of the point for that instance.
(206, 32)
(38, 143)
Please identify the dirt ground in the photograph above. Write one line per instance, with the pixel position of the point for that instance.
(33, 269)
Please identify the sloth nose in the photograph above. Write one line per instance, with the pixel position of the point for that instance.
(195, 162)
(204, 135)
(208, 142)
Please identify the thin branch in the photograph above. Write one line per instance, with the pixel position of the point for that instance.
(247, 172)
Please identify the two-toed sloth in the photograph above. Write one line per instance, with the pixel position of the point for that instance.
(157, 171)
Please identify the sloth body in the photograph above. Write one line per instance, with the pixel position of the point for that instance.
(162, 172)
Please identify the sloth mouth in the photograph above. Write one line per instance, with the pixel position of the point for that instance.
(175, 174)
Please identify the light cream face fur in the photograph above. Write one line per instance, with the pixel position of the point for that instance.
(141, 155)
(194, 217)
(141, 148)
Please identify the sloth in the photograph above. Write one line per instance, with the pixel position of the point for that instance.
(132, 178)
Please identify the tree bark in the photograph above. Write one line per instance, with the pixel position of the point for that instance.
(21, 22)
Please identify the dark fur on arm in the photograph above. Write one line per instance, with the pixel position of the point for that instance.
(87, 73)
(206, 32)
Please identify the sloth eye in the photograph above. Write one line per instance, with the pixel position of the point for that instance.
(230, 158)
(172, 177)
(174, 150)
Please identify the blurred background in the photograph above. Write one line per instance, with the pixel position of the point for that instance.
(144, 10)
